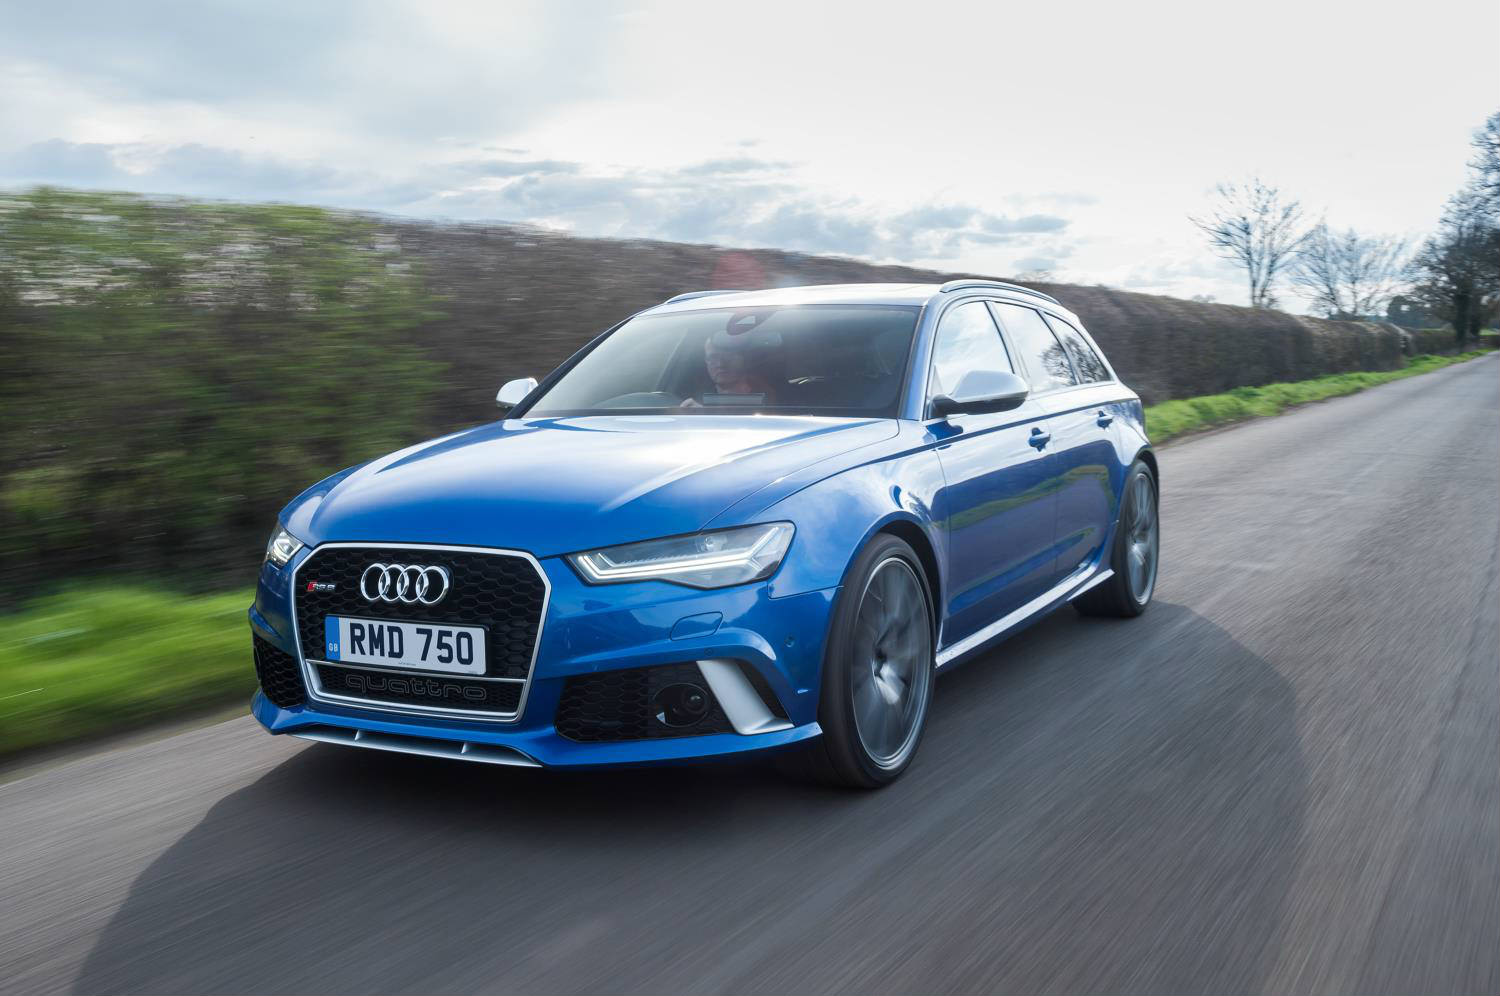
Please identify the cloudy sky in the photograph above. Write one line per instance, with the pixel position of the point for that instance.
(993, 137)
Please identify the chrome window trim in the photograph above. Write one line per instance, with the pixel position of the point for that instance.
(316, 693)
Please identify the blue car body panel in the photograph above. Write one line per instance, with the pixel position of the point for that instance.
(999, 522)
(560, 485)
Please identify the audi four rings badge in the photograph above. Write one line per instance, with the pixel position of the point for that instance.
(404, 583)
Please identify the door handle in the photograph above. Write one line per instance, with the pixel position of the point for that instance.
(1039, 439)
(1104, 419)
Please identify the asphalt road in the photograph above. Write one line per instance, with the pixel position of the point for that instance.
(1285, 777)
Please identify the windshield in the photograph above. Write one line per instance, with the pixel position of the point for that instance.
(811, 359)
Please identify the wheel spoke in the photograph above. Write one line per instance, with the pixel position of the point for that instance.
(900, 607)
(904, 647)
(885, 730)
(867, 699)
(866, 635)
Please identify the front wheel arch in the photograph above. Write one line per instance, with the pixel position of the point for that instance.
(838, 756)
(1148, 456)
(912, 535)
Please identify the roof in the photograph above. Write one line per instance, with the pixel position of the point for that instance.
(887, 293)
(909, 294)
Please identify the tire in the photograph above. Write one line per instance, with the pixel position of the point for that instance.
(1135, 554)
(877, 682)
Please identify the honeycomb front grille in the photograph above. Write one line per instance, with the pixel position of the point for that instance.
(504, 593)
(280, 678)
(620, 705)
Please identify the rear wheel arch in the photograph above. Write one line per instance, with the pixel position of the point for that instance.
(1135, 542)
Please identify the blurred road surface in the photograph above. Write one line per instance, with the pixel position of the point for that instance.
(1285, 777)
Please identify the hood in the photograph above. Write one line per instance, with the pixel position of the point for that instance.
(559, 485)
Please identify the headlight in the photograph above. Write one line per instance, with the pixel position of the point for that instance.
(283, 546)
(703, 560)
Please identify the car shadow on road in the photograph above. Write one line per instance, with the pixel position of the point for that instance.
(1098, 805)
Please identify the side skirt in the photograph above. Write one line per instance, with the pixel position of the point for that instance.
(1068, 589)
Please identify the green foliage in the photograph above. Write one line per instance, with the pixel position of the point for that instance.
(176, 370)
(1173, 418)
(90, 661)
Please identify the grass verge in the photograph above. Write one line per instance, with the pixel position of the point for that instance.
(91, 661)
(1174, 418)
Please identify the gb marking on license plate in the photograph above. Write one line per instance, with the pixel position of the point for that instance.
(331, 637)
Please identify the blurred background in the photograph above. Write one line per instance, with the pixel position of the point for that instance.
(244, 245)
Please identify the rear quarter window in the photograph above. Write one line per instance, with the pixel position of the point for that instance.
(1046, 361)
(1091, 369)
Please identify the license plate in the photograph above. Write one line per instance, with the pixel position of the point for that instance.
(415, 646)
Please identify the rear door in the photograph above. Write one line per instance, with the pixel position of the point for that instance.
(998, 504)
(1069, 388)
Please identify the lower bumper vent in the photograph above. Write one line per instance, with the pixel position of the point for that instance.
(280, 678)
(646, 703)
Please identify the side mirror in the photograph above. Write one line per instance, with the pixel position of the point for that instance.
(514, 392)
(982, 391)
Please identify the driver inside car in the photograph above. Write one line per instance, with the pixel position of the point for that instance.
(745, 363)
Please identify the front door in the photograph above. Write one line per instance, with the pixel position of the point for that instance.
(999, 499)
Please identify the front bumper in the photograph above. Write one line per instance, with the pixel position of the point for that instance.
(589, 630)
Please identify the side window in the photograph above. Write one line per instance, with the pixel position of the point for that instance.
(967, 340)
(1045, 359)
(1090, 368)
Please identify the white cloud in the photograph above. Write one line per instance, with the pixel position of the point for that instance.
(739, 202)
(985, 138)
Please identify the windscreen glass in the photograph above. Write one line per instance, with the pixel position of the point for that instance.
(813, 359)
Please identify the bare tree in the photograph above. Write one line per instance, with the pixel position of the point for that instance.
(1255, 227)
(1486, 162)
(1458, 269)
(1348, 275)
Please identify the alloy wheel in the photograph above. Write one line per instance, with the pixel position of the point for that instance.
(892, 652)
(1142, 539)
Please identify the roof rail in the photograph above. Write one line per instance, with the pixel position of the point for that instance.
(691, 295)
(964, 282)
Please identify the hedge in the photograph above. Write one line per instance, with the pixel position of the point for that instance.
(175, 370)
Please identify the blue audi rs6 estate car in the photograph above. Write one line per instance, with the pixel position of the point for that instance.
(735, 522)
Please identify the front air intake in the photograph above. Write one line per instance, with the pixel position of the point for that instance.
(643, 703)
(280, 677)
